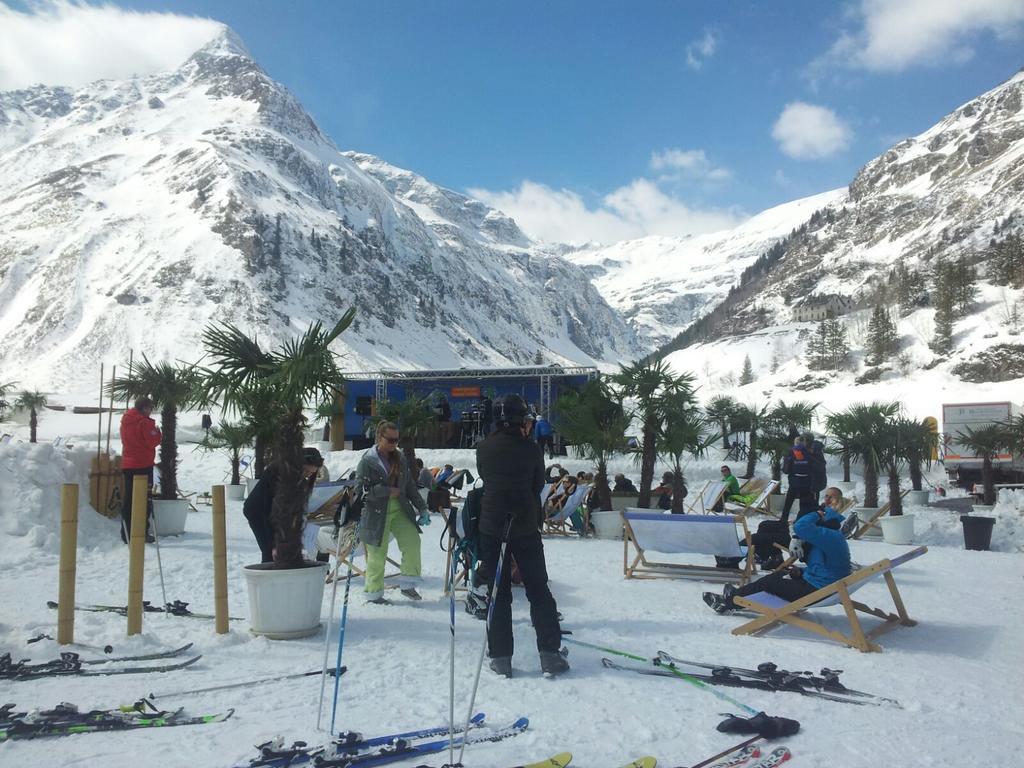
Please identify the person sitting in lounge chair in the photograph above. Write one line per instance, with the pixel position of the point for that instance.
(624, 485)
(560, 493)
(827, 561)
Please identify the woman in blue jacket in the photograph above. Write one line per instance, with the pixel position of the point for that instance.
(828, 560)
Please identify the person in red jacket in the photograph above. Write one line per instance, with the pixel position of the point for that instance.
(140, 437)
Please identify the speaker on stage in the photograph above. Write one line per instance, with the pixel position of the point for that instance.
(364, 405)
(361, 443)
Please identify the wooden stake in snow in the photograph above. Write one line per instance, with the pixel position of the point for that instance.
(220, 562)
(137, 554)
(68, 560)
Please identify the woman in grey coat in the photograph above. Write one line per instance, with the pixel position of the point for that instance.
(390, 504)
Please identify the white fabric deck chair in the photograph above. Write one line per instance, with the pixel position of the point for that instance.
(758, 505)
(775, 610)
(704, 503)
(558, 523)
(714, 535)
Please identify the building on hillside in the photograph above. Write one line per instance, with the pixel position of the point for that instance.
(822, 308)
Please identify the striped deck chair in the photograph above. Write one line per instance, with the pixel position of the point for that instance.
(559, 523)
(711, 535)
(758, 505)
(775, 610)
(704, 503)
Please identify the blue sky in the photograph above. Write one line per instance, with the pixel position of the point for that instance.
(591, 117)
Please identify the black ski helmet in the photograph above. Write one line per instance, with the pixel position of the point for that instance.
(511, 411)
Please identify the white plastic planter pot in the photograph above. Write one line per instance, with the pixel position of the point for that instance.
(982, 509)
(621, 503)
(169, 516)
(250, 483)
(234, 491)
(284, 604)
(898, 530)
(607, 524)
(917, 498)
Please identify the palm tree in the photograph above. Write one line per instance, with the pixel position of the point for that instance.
(172, 387)
(649, 384)
(684, 433)
(411, 415)
(840, 427)
(32, 402)
(894, 449)
(721, 409)
(594, 421)
(751, 417)
(868, 424)
(5, 390)
(987, 443)
(775, 439)
(231, 438)
(299, 372)
(922, 443)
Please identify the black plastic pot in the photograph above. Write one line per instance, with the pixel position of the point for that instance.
(977, 532)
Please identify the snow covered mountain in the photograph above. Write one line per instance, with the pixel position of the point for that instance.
(134, 212)
(663, 284)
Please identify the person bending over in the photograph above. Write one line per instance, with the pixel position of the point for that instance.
(260, 501)
(828, 560)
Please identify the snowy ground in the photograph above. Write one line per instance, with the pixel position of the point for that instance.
(958, 673)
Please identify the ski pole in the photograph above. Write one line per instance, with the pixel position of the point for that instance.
(671, 667)
(451, 662)
(341, 643)
(160, 568)
(327, 634)
(487, 630)
(244, 684)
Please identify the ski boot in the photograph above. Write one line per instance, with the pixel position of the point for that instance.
(502, 666)
(553, 663)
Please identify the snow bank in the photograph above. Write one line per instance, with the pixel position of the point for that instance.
(31, 476)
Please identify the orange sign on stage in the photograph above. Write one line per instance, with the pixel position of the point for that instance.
(465, 391)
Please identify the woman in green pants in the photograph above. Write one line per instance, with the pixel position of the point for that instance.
(390, 506)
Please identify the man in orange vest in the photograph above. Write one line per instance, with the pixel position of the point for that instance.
(139, 438)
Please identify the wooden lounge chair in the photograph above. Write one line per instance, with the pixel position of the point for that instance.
(559, 523)
(715, 535)
(864, 526)
(758, 505)
(704, 503)
(774, 610)
(753, 485)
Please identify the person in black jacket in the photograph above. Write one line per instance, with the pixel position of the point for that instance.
(512, 471)
(819, 470)
(797, 466)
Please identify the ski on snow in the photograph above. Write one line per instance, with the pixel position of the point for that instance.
(665, 670)
(828, 681)
(643, 762)
(776, 757)
(274, 753)
(388, 754)
(29, 730)
(74, 667)
(741, 758)
(174, 608)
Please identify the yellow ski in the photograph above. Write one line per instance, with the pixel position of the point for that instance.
(643, 762)
(561, 760)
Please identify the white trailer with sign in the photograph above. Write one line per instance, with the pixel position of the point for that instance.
(962, 465)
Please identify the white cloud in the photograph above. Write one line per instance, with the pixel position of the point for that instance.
(699, 51)
(892, 35)
(809, 132)
(681, 164)
(638, 209)
(58, 42)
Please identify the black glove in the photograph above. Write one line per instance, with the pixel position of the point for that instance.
(763, 725)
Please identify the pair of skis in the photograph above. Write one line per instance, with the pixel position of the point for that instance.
(173, 608)
(354, 751)
(745, 758)
(67, 720)
(73, 664)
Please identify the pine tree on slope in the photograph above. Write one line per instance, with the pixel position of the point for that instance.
(747, 376)
(883, 343)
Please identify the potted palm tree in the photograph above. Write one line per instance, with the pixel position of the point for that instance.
(285, 595)
(987, 443)
(232, 439)
(867, 426)
(5, 390)
(172, 387)
(841, 429)
(594, 420)
(720, 410)
(892, 451)
(685, 432)
(751, 416)
(33, 402)
(648, 384)
(922, 446)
